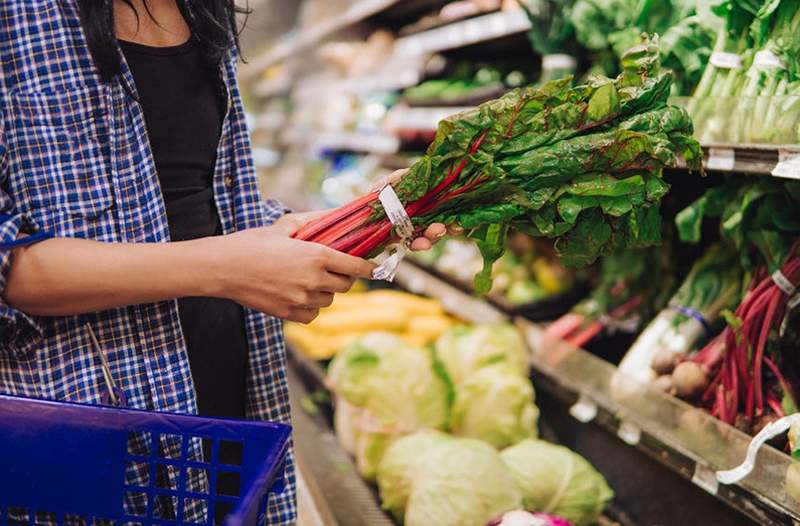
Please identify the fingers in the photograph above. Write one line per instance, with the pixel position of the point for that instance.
(318, 300)
(303, 315)
(336, 283)
(421, 244)
(392, 178)
(435, 232)
(455, 230)
(341, 263)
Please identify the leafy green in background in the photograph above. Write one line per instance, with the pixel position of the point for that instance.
(759, 216)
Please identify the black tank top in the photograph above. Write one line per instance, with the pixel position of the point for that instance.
(181, 96)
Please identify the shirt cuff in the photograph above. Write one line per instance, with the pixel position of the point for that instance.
(274, 210)
(19, 332)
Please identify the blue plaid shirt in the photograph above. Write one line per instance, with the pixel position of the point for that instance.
(75, 162)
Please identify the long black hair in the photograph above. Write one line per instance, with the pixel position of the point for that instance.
(212, 22)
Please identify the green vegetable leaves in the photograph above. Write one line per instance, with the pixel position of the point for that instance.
(579, 164)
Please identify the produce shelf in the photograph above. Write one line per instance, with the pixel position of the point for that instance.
(378, 143)
(464, 33)
(300, 40)
(678, 435)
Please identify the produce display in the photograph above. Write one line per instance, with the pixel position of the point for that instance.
(750, 91)
(579, 180)
(581, 165)
(526, 273)
(416, 320)
(446, 432)
(625, 297)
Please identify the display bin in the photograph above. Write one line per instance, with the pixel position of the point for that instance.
(65, 463)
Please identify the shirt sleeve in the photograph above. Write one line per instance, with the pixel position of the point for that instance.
(274, 210)
(18, 331)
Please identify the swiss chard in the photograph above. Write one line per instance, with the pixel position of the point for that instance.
(581, 165)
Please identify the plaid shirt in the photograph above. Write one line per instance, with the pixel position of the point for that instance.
(75, 162)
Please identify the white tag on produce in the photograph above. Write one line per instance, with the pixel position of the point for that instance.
(584, 410)
(398, 216)
(721, 159)
(705, 478)
(725, 60)
(767, 59)
(788, 165)
(629, 433)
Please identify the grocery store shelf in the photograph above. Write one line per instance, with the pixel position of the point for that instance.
(300, 40)
(464, 33)
(778, 161)
(678, 435)
(377, 143)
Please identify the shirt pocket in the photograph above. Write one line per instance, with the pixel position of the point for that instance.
(59, 150)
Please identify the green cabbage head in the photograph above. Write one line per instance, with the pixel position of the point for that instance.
(464, 350)
(391, 389)
(495, 404)
(445, 481)
(557, 481)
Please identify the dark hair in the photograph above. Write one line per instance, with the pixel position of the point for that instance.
(212, 23)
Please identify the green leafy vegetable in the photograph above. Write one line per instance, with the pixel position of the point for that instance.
(429, 478)
(555, 480)
(581, 165)
(495, 404)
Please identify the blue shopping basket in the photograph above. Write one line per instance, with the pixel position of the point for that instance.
(65, 463)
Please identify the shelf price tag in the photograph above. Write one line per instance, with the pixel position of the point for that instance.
(584, 410)
(788, 165)
(721, 159)
(705, 478)
(629, 433)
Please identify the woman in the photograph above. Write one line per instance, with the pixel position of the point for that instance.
(129, 215)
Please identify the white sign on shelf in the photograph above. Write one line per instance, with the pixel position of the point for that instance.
(788, 165)
(584, 410)
(721, 159)
(705, 478)
(629, 433)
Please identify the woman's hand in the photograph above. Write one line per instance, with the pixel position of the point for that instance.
(268, 271)
(434, 232)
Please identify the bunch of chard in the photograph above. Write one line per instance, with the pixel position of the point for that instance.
(713, 285)
(625, 295)
(581, 165)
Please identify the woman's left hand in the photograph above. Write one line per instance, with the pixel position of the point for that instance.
(434, 232)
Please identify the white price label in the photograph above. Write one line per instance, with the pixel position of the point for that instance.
(721, 159)
(558, 61)
(629, 433)
(705, 478)
(725, 60)
(584, 410)
(788, 165)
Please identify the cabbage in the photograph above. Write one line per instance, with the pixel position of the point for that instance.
(399, 466)
(464, 350)
(555, 480)
(393, 389)
(495, 404)
(445, 481)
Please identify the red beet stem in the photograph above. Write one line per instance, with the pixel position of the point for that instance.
(318, 225)
(344, 243)
(565, 325)
(342, 228)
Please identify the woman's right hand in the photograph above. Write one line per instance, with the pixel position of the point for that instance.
(268, 271)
